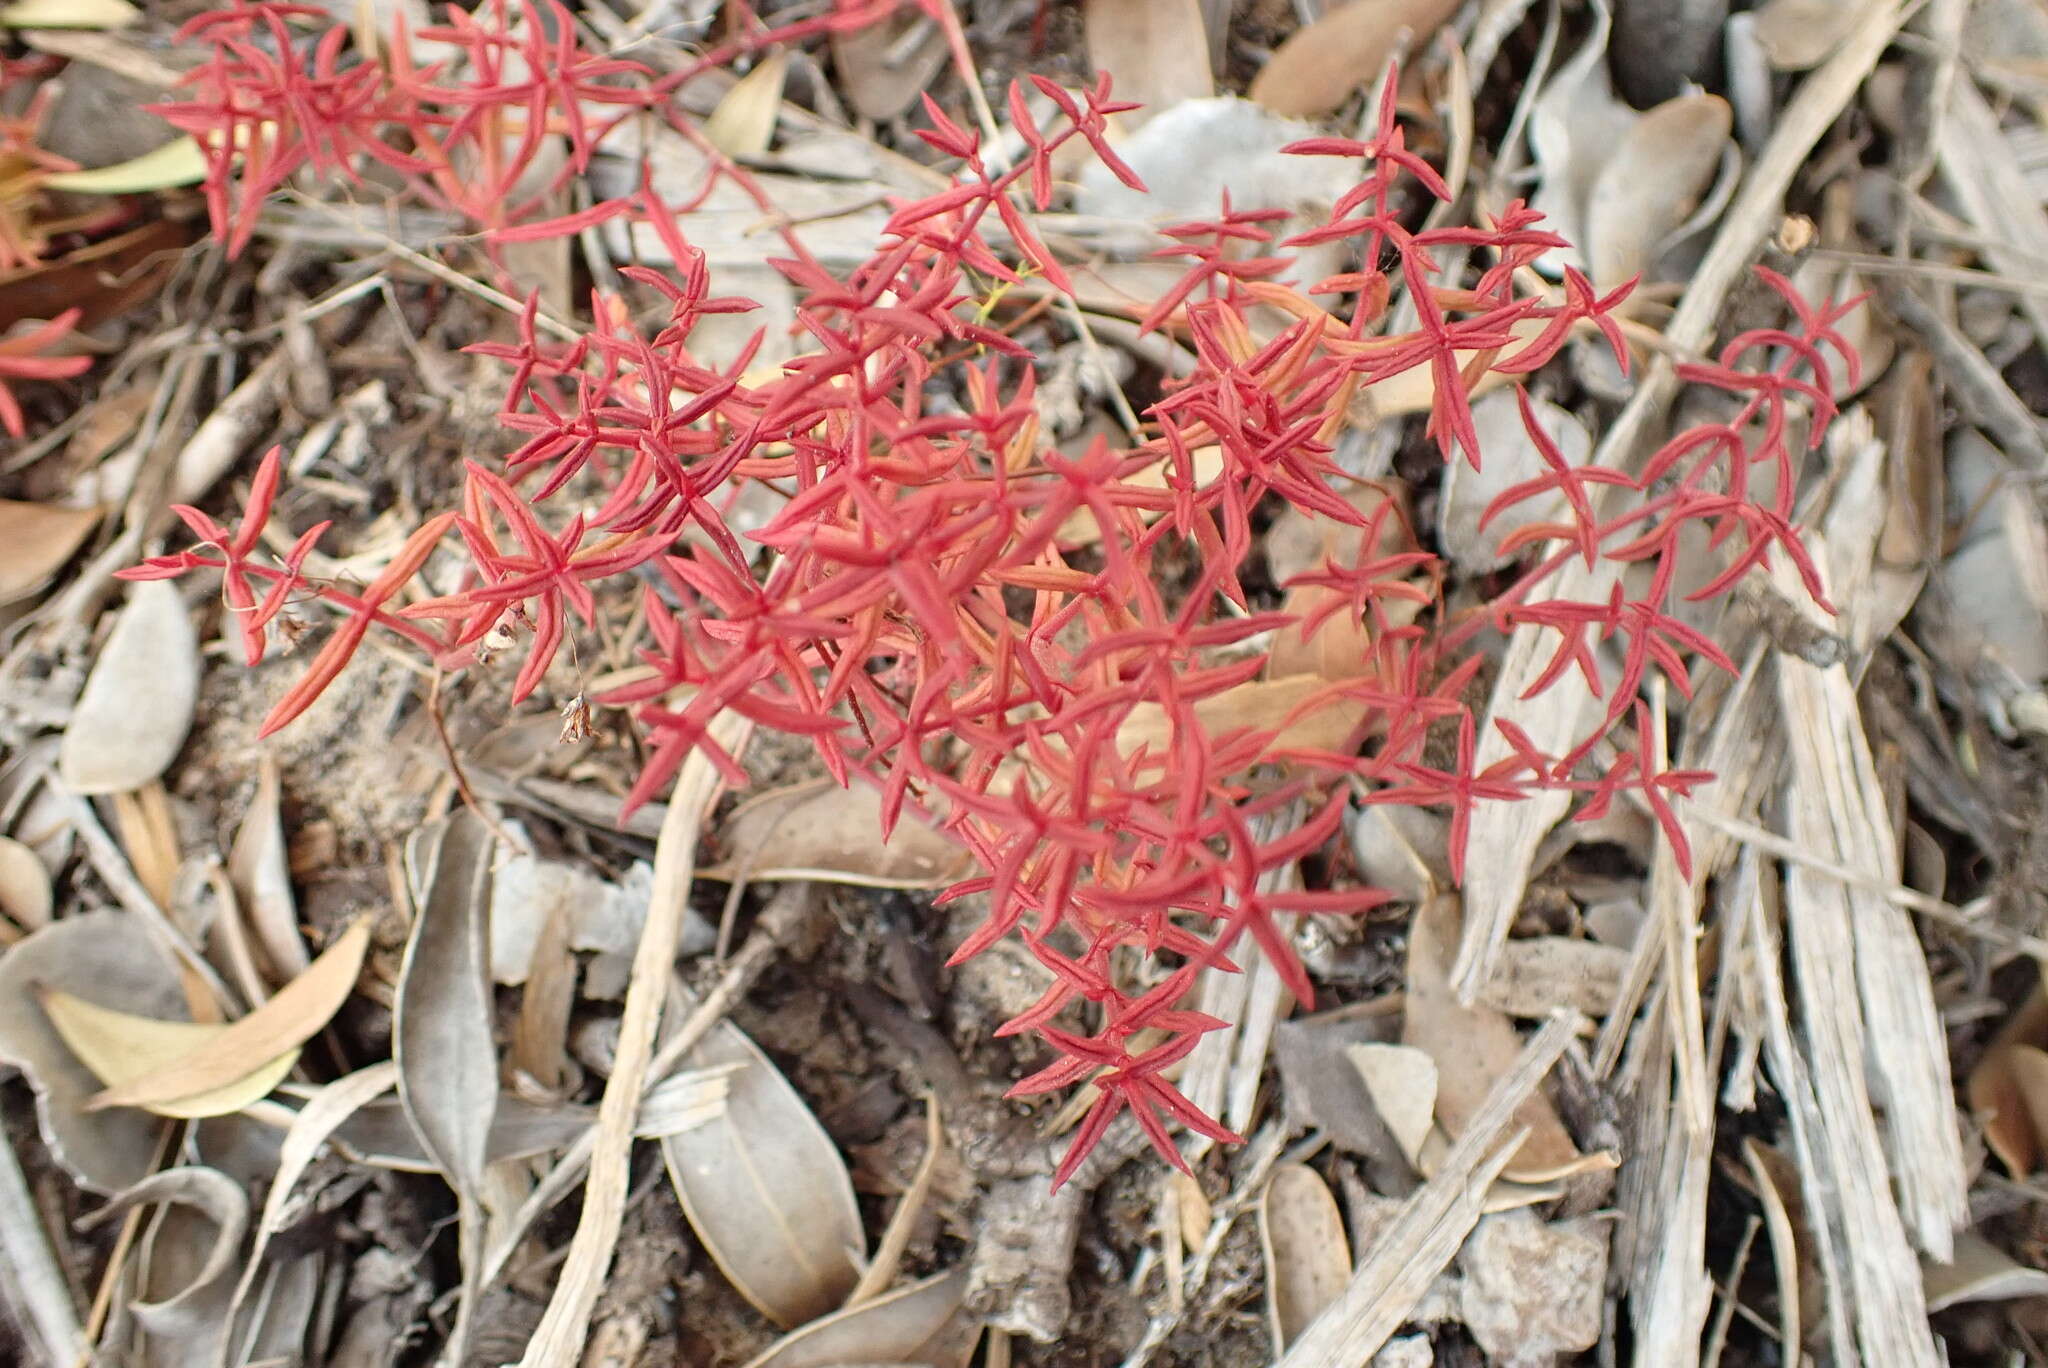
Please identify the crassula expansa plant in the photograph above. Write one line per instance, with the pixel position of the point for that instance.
(1051, 655)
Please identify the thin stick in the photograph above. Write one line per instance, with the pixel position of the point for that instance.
(563, 1327)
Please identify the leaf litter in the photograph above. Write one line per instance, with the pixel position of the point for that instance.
(212, 946)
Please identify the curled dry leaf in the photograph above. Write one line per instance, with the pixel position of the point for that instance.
(1155, 51)
(822, 832)
(119, 1048)
(191, 1317)
(1473, 1046)
(380, 1133)
(1322, 63)
(300, 1009)
(1308, 1261)
(924, 1323)
(1651, 183)
(767, 1191)
(139, 699)
(35, 541)
(105, 957)
(25, 894)
(259, 867)
(1981, 1271)
(441, 1027)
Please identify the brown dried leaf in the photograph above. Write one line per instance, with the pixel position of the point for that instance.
(823, 832)
(1156, 51)
(767, 1191)
(35, 541)
(1321, 64)
(1308, 1261)
(1473, 1046)
(924, 1323)
(1308, 715)
(289, 1019)
(139, 699)
(1994, 1091)
(882, 68)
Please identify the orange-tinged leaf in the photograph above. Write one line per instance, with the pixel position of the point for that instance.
(120, 1047)
(300, 1009)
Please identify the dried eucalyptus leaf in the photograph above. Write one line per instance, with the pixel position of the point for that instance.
(441, 1033)
(1324, 1090)
(295, 1015)
(1155, 51)
(190, 1317)
(924, 1323)
(104, 957)
(1511, 458)
(1981, 1271)
(883, 67)
(38, 538)
(767, 1191)
(1401, 1081)
(441, 1030)
(1574, 127)
(1308, 1261)
(26, 898)
(1322, 63)
(119, 1047)
(139, 699)
(1651, 183)
(744, 123)
(1473, 1046)
(260, 870)
(822, 832)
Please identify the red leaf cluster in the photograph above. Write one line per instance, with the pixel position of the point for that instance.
(1048, 654)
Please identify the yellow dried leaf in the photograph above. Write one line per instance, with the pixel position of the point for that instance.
(72, 14)
(744, 123)
(300, 1009)
(179, 162)
(120, 1048)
